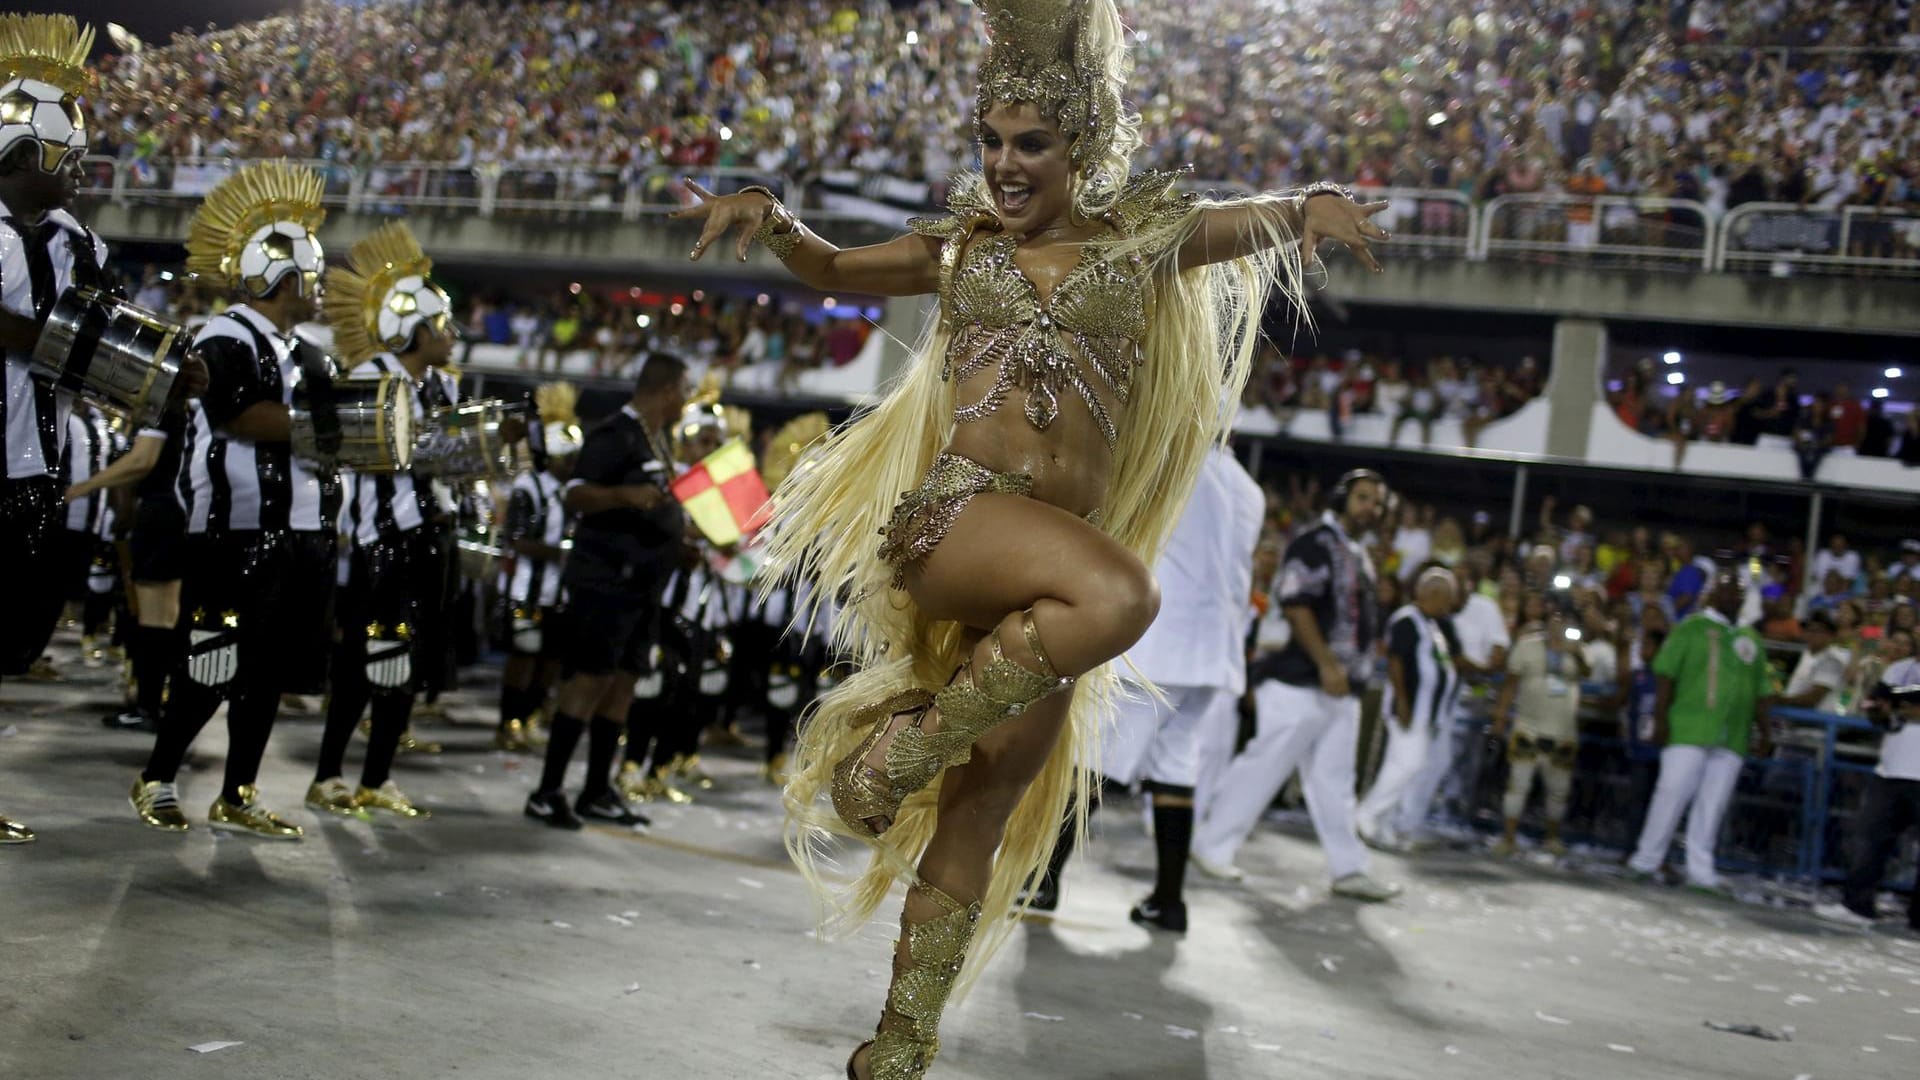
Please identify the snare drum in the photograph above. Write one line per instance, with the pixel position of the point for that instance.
(375, 420)
(465, 442)
(121, 357)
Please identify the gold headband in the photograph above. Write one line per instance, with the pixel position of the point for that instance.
(1038, 52)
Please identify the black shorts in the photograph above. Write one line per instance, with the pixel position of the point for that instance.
(159, 538)
(233, 588)
(605, 632)
(77, 552)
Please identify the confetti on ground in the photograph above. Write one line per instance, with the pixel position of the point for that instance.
(560, 925)
(1546, 1019)
(1450, 1051)
(1043, 1016)
(632, 988)
(1620, 1048)
(750, 883)
(1799, 999)
(1900, 1038)
(1753, 1030)
(210, 1047)
(1179, 1032)
(619, 920)
(1267, 1048)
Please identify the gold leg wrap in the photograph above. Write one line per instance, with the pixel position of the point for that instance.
(970, 706)
(909, 1032)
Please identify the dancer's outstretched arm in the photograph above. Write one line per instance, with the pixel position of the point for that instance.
(907, 265)
(1240, 229)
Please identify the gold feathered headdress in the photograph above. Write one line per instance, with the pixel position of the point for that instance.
(1043, 52)
(790, 444)
(383, 294)
(48, 48)
(258, 226)
(559, 422)
(703, 411)
(43, 69)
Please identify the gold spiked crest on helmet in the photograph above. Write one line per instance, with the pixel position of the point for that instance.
(257, 226)
(49, 48)
(383, 294)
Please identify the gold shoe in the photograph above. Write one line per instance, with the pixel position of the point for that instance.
(388, 797)
(431, 710)
(411, 745)
(908, 1037)
(158, 805)
(726, 735)
(252, 819)
(332, 796)
(12, 832)
(42, 670)
(631, 783)
(775, 771)
(511, 737)
(660, 788)
(968, 707)
(687, 767)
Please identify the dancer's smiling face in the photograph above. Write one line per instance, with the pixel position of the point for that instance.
(1024, 157)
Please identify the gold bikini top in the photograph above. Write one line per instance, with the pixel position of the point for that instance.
(1090, 329)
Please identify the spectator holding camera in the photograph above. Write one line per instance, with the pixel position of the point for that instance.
(1537, 718)
(1822, 670)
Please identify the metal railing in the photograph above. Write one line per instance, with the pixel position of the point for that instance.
(1603, 230)
(1785, 238)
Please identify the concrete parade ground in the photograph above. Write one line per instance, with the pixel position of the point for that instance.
(481, 945)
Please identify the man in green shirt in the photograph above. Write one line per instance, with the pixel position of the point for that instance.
(1712, 688)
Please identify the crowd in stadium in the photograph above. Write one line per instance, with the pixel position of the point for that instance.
(1724, 103)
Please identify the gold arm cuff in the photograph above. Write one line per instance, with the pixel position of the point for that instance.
(779, 231)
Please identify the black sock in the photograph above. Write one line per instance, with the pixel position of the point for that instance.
(1062, 850)
(188, 709)
(250, 717)
(391, 711)
(640, 727)
(603, 741)
(344, 706)
(156, 654)
(1172, 839)
(562, 736)
(532, 700)
(512, 704)
(779, 732)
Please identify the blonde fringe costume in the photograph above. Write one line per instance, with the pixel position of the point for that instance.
(1173, 348)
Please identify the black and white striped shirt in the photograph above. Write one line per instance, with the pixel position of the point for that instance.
(536, 510)
(230, 484)
(37, 264)
(91, 444)
(1425, 648)
(389, 504)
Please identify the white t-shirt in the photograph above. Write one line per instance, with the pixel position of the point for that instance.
(1900, 751)
(1848, 563)
(1414, 545)
(1481, 629)
(1603, 661)
(1827, 668)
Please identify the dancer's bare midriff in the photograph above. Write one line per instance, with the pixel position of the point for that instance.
(1069, 461)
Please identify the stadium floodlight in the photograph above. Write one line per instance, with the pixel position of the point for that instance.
(1893, 373)
(643, 321)
(1675, 378)
(1880, 391)
(829, 303)
(1671, 357)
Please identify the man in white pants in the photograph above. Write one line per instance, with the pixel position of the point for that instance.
(1711, 688)
(1195, 652)
(1307, 700)
(1422, 684)
(1482, 640)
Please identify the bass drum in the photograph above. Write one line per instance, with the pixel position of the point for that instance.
(121, 357)
(466, 442)
(368, 428)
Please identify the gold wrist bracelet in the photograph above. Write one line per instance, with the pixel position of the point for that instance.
(779, 231)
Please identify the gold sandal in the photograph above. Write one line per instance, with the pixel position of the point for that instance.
(970, 706)
(908, 1037)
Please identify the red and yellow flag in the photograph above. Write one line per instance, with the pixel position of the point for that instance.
(724, 494)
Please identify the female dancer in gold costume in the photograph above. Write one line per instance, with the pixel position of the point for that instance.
(1094, 333)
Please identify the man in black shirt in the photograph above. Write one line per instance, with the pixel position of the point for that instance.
(628, 532)
(1307, 698)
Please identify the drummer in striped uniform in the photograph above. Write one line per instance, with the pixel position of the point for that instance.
(537, 525)
(256, 517)
(91, 445)
(1422, 686)
(388, 318)
(43, 251)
